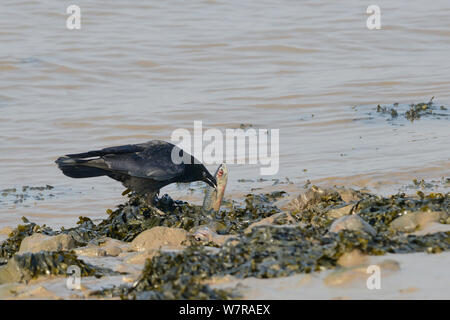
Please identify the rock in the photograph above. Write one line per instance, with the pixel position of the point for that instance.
(106, 247)
(352, 259)
(352, 222)
(157, 237)
(90, 251)
(24, 267)
(113, 251)
(416, 220)
(131, 270)
(40, 293)
(390, 265)
(408, 290)
(315, 195)
(141, 257)
(207, 234)
(114, 247)
(285, 217)
(128, 279)
(38, 242)
(432, 227)
(340, 212)
(11, 272)
(348, 195)
(346, 276)
(311, 197)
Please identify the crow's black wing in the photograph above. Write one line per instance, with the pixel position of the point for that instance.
(154, 162)
(128, 148)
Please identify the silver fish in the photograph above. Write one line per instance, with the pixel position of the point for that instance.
(213, 197)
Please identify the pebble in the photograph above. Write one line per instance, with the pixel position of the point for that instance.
(352, 222)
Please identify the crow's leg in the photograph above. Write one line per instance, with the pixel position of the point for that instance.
(149, 202)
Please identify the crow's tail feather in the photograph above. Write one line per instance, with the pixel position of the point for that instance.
(74, 168)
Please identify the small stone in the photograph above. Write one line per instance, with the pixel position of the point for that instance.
(90, 251)
(340, 212)
(408, 290)
(346, 276)
(111, 243)
(141, 257)
(113, 251)
(390, 265)
(413, 221)
(128, 279)
(352, 222)
(352, 259)
(40, 293)
(305, 200)
(270, 221)
(348, 195)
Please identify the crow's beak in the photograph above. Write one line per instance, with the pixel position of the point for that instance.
(209, 179)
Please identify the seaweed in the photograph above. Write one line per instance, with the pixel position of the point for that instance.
(267, 252)
(414, 112)
(304, 245)
(134, 217)
(27, 266)
(14, 196)
(281, 250)
(12, 244)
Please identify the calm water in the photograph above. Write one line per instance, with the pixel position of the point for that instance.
(136, 71)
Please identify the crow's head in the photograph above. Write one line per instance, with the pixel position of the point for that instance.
(198, 172)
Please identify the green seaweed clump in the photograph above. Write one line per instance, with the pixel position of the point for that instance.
(267, 252)
(12, 244)
(134, 217)
(27, 266)
(414, 111)
(54, 263)
(180, 276)
(386, 110)
(381, 211)
(418, 110)
(280, 250)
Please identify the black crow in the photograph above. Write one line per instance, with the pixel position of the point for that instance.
(144, 168)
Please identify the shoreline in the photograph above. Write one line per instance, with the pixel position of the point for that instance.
(121, 262)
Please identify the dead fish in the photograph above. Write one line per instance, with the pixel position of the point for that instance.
(214, 196)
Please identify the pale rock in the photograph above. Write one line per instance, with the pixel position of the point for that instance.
(41, 242)
(340, 212)
(413, 221)
(352, 222)
(157, 237)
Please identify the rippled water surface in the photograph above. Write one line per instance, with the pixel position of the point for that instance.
(138, 70)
